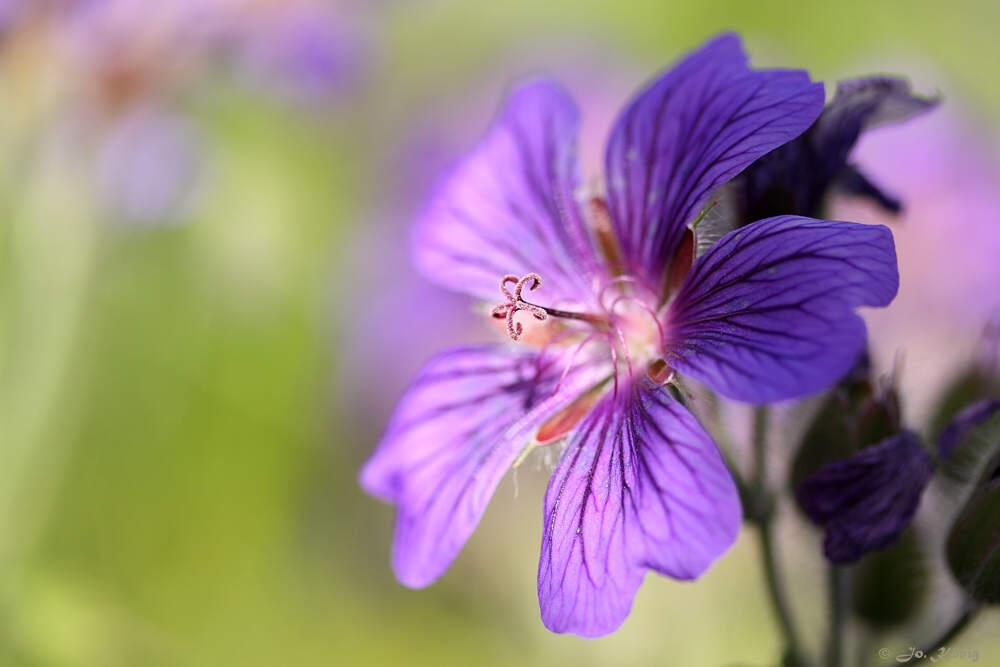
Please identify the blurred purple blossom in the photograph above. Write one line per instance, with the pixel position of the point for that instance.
(149, 167)
(640, 484)
(302, 51)
(129, 66)
(10, 13)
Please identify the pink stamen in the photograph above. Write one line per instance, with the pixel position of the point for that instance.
(628, 359)
(623, 279)
(516, 303)
(614, 362)
(572, 360)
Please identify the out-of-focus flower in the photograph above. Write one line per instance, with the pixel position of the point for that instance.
(149, 167)
(130, 64)
(640, 485)
(797, 177)
(127, 66)
(301, 51)
(10, 13)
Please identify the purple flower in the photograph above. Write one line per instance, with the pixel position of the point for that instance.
(866, 500)
(797, 177)
(765, 314)
(149, 167)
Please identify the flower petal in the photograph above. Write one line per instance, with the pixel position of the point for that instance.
(459, 427)
(689, 132)
(640, 486)
(970, 417)
(509, 207)
(866, 501)
(768, 312)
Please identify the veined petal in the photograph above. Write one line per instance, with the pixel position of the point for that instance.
(690, 131)
(509, 207)
(867, 500)
(641, 486)
(768, 312)
(459, 427)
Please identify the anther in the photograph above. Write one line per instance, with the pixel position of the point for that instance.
(515, 303)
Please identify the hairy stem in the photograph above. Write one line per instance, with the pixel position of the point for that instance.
(835, 645)
(760, 510)
(794, 656)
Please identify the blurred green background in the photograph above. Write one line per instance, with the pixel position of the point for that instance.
(182, 414)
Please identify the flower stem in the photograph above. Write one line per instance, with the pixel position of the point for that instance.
(793, 647)
(835, 646)
(761, 512)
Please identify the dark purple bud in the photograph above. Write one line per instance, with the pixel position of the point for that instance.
(797, 177)
(866, 501)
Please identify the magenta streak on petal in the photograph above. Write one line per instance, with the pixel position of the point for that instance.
(460, 426)
(768, 312)
(691, 130)
(641, 486)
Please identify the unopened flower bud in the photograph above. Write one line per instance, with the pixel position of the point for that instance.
(974, 543)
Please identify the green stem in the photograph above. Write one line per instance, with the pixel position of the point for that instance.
(760, 511)
(835, 647)
(794, 657)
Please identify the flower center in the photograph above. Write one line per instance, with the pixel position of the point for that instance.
(627, 322)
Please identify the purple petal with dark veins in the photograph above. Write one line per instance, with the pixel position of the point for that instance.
(970, 417)
(768, 312)
(641, 486)
(690, 131)
(867, 500)
(462, 423)
(509, 208)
